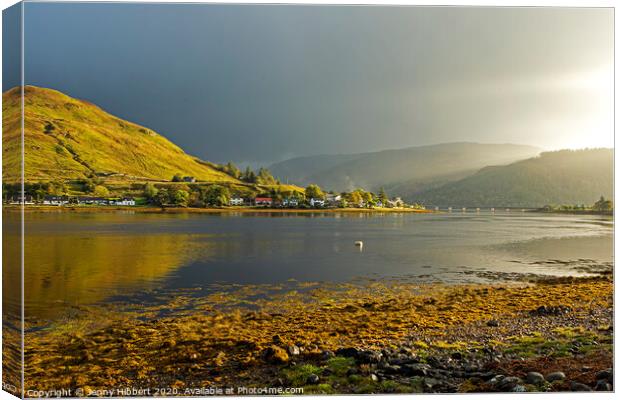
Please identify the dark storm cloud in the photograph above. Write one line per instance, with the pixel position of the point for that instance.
(263, 83)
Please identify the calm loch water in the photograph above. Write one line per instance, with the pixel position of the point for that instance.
(84, 258)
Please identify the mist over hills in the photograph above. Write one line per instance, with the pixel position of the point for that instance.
(553, 178)
(400, 170)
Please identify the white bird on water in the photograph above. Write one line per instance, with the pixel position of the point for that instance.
(359, 244)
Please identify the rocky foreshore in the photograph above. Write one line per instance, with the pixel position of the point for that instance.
(377, 337)
(403, 370)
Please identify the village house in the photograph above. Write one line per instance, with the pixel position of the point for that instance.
(236, 201)
(55, 200)
(125, 201)
(291, 202)
(333, 199)
(27, 200)
(263, 201)
(100, 201)
(396, 202)
(317, 202)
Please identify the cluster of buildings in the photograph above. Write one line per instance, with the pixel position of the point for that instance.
(74, 200)
(330, 200)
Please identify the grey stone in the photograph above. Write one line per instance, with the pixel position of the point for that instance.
(392, 369)
(519, 389)
(534, 378)
(313, 379)
(508, 383)
(579, 387)
(606, 374)
(431, 382)
(347, 352)
(603, 386)
(556, 376)
(369, 357)
(495, 380)
(415, 369)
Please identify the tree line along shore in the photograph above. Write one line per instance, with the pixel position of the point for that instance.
(185, 192)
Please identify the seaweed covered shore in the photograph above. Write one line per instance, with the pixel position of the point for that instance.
(554, 334)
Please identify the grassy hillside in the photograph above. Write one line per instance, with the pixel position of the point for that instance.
(561, 177)
(66, 138)
(399, 171)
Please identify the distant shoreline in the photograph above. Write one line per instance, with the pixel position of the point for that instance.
(182, 210)
(574, 212)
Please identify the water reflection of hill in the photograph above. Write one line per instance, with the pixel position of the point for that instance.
(72, 268)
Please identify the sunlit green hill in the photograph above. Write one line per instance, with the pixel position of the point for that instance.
(553, 178)
(67, 138)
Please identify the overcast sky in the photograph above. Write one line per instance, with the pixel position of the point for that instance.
(264, 83)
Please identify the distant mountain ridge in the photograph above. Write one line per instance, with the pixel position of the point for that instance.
(553, 178)
(67, 138)
(400, 169)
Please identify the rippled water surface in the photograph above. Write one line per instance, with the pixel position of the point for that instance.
(85, 258)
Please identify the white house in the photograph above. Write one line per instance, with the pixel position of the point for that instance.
(55, 200)
(292, 202)
(333, 199)
(236, 201)
(22, 200)
(396, 202)
(317, 202)
(125, 201)
(93, 200)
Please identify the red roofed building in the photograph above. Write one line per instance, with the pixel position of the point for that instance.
(263, 201)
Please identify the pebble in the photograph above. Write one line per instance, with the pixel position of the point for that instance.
(507, 383)
(534, 378)
(579, 387)
(293, 350)
(374, 378)
(603, 386)
(519, 389)
(556, 376)
(495, 380)
(606, 374)
(493, 323)
(369, 357)
(415, 369)
(349, 352)
(392, 369)
(313, 379)
(275, 355)
(430, 383)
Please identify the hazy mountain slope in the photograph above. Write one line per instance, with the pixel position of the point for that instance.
(301, 169)
(561, 177)
(394, 168)
(70, 138)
